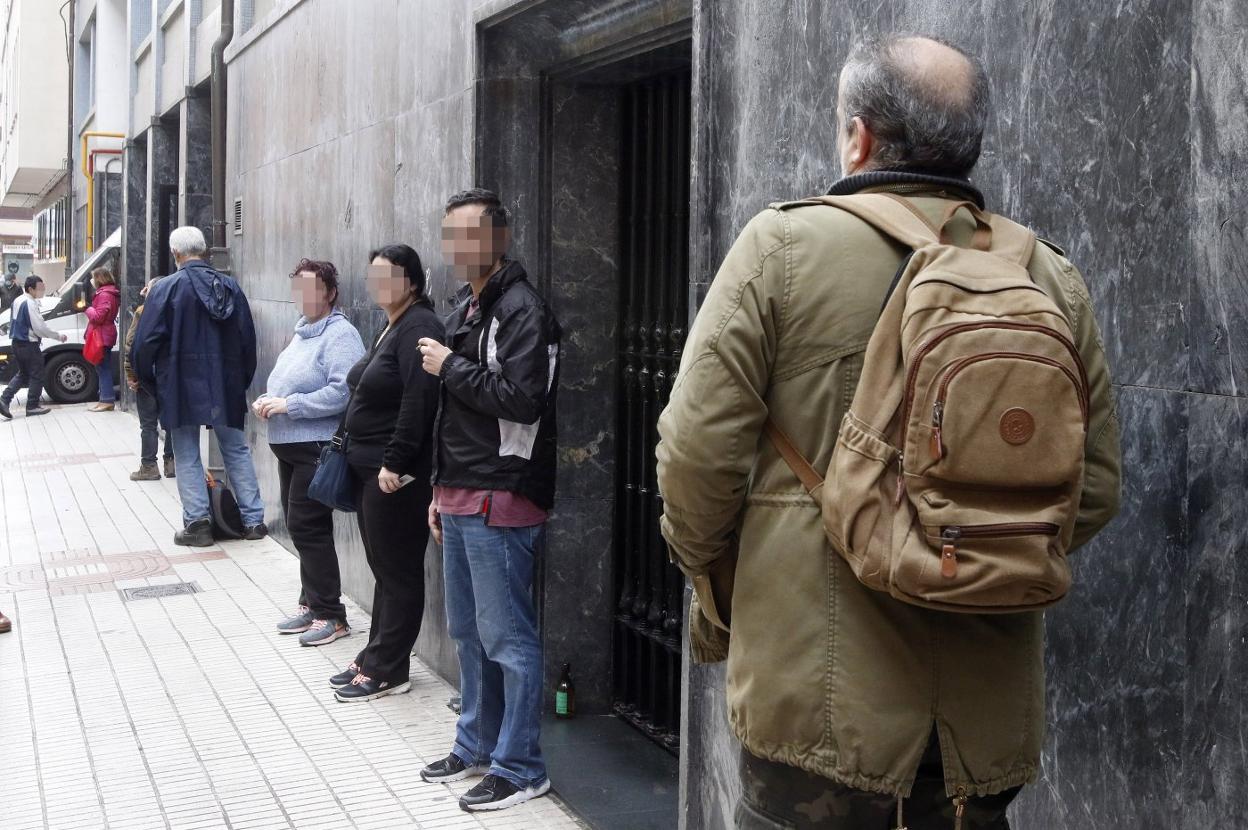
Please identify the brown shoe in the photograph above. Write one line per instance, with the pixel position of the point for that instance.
(169, 468)
(101, 407)
(146, 472)
(6, 624)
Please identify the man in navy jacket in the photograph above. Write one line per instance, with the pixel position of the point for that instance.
(195, 350)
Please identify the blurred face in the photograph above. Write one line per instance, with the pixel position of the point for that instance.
(310, 294)
(39, 290)
(471, 244)
(387, 284)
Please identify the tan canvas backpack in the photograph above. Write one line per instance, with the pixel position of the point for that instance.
(956, 476)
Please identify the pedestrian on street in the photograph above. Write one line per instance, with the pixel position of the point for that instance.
(494, 477)
(27, 330)
(303, 403)
(102, 318)
(196, 347)
(149, 410)
(388, 426)
(851, 702)
(9, 291)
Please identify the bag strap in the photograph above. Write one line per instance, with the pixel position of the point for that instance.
(340, 434)
(797, 462)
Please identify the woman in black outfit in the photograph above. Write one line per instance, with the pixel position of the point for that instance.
(389, 424)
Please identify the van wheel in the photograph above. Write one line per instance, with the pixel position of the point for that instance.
(69, 378)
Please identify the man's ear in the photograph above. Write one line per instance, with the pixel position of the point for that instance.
(861, 142)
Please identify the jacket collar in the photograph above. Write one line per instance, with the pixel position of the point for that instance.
(511, 273)
(906, 181)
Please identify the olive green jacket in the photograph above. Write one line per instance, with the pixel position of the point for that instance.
(824, 673)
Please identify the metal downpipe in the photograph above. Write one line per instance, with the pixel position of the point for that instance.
(218, 127)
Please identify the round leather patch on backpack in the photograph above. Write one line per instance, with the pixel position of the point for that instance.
(1017, 426)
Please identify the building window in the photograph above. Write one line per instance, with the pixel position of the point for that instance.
(50, 231)
(140, 21)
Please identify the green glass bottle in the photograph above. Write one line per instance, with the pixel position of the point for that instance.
(565, 694)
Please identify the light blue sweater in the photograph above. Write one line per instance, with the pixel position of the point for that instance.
(311, 374)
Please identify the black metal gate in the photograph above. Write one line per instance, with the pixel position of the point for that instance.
(654, 310)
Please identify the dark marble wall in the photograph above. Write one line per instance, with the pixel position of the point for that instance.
(195, 163)
(1119, 134)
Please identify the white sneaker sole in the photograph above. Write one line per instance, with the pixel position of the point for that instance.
(519, 797)
(393, 690)
(337, 635)
(467, 772)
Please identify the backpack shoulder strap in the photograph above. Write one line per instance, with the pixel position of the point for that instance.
(889, 214)
(1011, 240)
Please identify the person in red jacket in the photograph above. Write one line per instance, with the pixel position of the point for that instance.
(102, 317)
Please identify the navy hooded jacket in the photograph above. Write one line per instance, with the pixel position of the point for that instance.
(195, 348)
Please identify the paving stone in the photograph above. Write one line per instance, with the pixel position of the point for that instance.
(184, 712)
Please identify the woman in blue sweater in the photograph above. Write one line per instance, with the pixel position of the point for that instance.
(303, 403)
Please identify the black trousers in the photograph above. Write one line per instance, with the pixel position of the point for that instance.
(395, 531)
(781, 797)
(149, 428)
(29, 357)
(311, 526)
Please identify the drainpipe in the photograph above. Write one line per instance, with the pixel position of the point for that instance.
(88, 172)
(69, 146)
(219, 252)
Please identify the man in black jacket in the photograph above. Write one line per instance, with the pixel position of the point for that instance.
(494, 481)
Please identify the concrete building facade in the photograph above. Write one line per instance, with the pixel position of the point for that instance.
(34, 95)
(632, 139)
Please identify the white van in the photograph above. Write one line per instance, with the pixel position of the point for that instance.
(67, 376)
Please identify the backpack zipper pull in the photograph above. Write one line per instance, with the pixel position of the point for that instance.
(938, 417)
(959, 808)
(949, 552)
(901, 479)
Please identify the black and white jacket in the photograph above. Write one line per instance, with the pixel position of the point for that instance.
(495, 428)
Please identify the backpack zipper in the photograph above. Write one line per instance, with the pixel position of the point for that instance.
(926, 348)
(952, 534)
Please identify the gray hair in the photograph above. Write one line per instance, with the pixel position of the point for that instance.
(187, 241)
(920, 121)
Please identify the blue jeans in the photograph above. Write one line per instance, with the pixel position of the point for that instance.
(190, 473)
(492, 619)
(105, 371)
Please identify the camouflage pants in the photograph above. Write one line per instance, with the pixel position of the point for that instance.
(781, 797)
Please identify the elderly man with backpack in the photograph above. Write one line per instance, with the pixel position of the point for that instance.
(893, 422)
(195, 349)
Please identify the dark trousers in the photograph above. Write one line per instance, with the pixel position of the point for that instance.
(780, 797)
(29, 359)
(395, 531)
(149, 427)
(311, 526)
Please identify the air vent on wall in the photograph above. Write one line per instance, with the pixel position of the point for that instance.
(238, 217)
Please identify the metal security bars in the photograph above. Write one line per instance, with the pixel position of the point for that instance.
(654, 311)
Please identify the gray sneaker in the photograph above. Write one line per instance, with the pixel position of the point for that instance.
(38, 410)
(297, 624)
(324, 632)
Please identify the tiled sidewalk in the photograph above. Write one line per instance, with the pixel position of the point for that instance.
(185, 711)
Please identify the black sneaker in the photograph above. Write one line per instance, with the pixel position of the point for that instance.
(256, 532)
(344, 677)
(5, 412)
(366, 688)
(495, 793)
(198, 534)
(452, 768)
(38, 410)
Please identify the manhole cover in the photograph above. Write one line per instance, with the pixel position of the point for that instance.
(159, 591)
